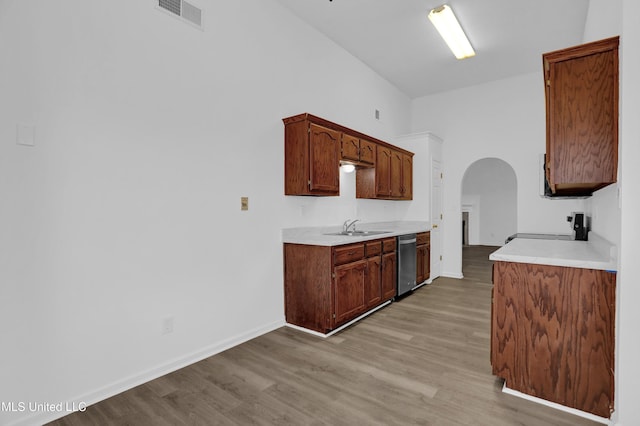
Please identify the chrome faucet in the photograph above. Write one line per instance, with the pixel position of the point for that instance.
(347, 225)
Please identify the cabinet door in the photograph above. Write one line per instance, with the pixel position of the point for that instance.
(349, 291)
(373, 283)
(389, 282)
(350, 148)
(396, 174)
(383, 171)
(367, 152)
(324, 159)
(407, 177)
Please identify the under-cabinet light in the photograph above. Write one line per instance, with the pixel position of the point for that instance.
(347, 168)
(449, 28)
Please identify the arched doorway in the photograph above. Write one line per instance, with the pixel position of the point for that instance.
(489, 203)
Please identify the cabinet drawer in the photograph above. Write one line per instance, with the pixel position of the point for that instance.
(423, 238)
(373, 248)
(346, 254)
(389, 245)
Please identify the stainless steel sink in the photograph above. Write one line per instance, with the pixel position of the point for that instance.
(359, 233)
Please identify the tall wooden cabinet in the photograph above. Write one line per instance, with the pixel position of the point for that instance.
(552, 333)
(581, 88)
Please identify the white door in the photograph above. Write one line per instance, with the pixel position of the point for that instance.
(436, 218)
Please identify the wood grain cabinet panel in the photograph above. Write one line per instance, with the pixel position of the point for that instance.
(553, 333)
(581, 91)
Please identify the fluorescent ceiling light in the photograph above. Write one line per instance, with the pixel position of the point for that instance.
(449, 28)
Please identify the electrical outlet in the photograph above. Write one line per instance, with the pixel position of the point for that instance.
(244, 203)
(167, 325)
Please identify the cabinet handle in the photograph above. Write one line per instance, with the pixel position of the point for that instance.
(434, 226)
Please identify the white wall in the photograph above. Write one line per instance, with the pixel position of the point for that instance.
(127, 210)
(628, 350)
(614, 209)
(503, 119)
(489, 186)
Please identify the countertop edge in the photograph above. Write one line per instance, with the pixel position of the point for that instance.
(315, 235)
(597, 253)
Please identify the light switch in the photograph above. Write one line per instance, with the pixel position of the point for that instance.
(244, 203)
(26, 135)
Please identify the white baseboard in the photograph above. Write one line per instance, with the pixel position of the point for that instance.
(342, 327)
(145, 376)
(457, 275)
(560, 407)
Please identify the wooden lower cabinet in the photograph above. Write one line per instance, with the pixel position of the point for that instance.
(552, 333)
(389, 269)
(325, 287)
(349, 290)
(423, 257)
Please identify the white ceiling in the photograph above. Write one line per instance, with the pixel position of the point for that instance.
(396, 39)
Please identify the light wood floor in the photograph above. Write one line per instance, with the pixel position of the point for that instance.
(422, 360)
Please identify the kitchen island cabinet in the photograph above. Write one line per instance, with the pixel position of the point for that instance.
(552, 333)
(581, 93)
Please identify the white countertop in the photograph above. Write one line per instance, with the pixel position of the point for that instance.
(316, 235)
(597, 253)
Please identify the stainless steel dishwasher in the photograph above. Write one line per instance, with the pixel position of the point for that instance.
(406, 263)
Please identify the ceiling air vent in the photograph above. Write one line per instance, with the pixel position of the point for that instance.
(185, 10)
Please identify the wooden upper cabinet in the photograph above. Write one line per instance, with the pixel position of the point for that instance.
(358, 151)
(581, 88)
(324, 160)
(350, 148)
(312, 159)
(383, 171)
(314, 148)
(553, 333)
(396, 174)
(367, 152)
